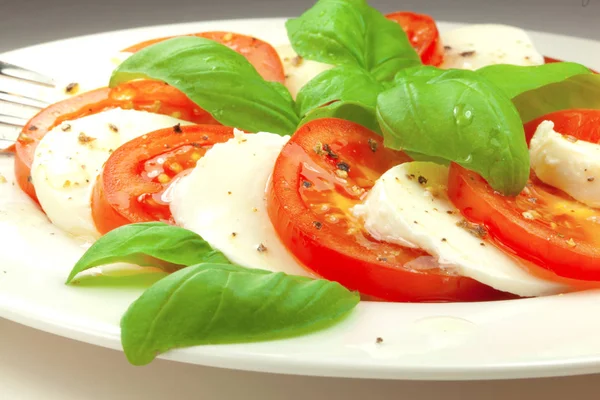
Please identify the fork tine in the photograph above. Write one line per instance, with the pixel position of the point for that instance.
(12, 121)
(22, 100)
(25, 74)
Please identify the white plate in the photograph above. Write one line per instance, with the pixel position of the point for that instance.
(512, 339)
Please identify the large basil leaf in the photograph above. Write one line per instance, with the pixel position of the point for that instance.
(458, 116)
(514, 79)
(348, 110)
(216, 303)
(349, 32)
(344, 83)
(218, 79)
(580, 91)
(148, 244)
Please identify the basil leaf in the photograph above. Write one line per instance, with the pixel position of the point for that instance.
(148, 244)
(218, 79)
(215, 304)
(344, 83)
(580, 91)
(514, 79)
(460, 117)
(349, 32)
(348, 110)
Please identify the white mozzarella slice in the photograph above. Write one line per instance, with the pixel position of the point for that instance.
(408, 203)
(223, 200)
(298, 71)
(566, 163)
(475, 46)
(69, 158)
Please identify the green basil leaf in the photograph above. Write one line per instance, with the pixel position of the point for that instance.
(344, 83)
(349, 32)
(216, 304)
(218, 79)
(148, 244)
(460, 117)
(580, 91)
(351, 111)
(514, 79)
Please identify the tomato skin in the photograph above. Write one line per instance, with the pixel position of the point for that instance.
(259, 53)
(423, 35)
(582, 124)
(328, 248)
(119, 194)
(533, 240)
(144, 95)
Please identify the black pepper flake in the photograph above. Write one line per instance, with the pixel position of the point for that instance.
(474, 229)
(29, 178)
(166, 146)
(532, 200)
(343, 166)
(329, 152)
(177, 128)
(113, 128)
(591, 179)
(444, 240)
(72, 88)
(422, 180)
(373, 145)
(233, 234)
(306, 184)
(383, 259)
(379, 340)
(449, 212)
(482, 244)
(205, 137)
(195, 144)
(32, 128)
(447, 48)
(317, 224)
(467, 53)
(229, 193)
(261, 248)
(410, 177)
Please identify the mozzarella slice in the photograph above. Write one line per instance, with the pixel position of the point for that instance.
(69, 158)
(223, 200)
(298, 71)
(566, 163)
(475, 46)
(408, 203)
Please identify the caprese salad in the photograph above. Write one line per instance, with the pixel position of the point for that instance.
(372, 155)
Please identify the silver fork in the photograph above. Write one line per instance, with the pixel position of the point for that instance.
(16, 105)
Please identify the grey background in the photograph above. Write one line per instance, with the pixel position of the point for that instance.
(26, 22)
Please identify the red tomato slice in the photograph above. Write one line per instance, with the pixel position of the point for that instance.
(260, 54)
(542, 224)
(143, 95)
(134, 185)
(321, 173)
(423, 35)
(581, 124)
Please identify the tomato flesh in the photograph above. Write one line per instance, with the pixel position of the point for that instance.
(581, 124)
(423, 34)
(143, 95)
(322, 172)
(541, 224)
(259, 53)
(135, 184)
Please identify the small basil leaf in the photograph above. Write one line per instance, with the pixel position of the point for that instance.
(218, 79)
(344, 83)
(215, 304)
(514, 79)
(349, 32)
(460, 117)
(148, 244)
(351, 111)
(580, 91)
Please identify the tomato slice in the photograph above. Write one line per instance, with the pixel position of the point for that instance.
(582, 124)
(135, 183)
(142, 95)
(542, 224)
(423, 35)
(259, 53)
(323, 171)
